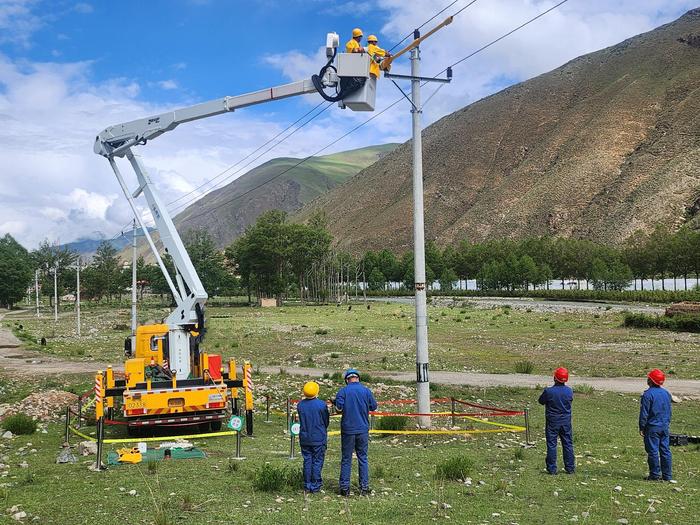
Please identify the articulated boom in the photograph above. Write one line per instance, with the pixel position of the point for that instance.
(354, 89)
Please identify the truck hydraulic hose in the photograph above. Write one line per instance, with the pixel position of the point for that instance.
(347, 85)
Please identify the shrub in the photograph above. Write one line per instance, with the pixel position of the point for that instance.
(19, 424)
(334, 356)
(583, 389)
(455, 468)
(270, 478)
(152, 466)
(679, 323)
(519, 454)
(321, 331)
(391, 423)
(524, 367)
(379, 472)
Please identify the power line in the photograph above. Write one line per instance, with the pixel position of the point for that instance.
(331, 143)
(484, 47)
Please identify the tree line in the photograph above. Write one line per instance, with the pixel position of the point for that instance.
(276, 258)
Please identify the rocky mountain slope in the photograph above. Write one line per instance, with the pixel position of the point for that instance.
(598, 148)
(226, 212)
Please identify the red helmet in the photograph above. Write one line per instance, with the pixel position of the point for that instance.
(561, 374)
(657, 377)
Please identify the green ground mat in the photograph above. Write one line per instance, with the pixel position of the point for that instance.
(156, 454)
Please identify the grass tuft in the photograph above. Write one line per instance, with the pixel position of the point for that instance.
(391, 423)
(454, 469)
(524, 367)
(271, 478)
(19, 424)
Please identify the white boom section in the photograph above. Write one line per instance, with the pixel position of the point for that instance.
(114, 141)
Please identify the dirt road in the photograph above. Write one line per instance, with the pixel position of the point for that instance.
(18, 360)
(630, 385)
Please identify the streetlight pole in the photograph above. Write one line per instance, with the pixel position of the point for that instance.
(55, 292)
(36, 290)
(77, 294)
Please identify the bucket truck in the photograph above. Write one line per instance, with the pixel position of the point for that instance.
(169, 379)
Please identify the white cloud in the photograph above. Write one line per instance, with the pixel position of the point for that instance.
(53, 186)
(18, 22)
(167, 84)
(83, 7)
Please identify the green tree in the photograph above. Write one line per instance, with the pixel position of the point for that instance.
(206, 259)
(376, 280)
(447, 279)
(16, 269)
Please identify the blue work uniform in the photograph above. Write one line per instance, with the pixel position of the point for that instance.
(654, 421)
(313, 438)
(355, 401)
(557, 401)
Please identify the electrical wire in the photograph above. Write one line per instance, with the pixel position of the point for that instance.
(376, 115)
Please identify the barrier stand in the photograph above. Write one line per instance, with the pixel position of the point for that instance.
(236, 424)
(99, 418)
(289, 404)
(294, 429)
(527, 426)
(67, 440)
(109, 402)
(248, 391)
(454, 409)
(267, 409)
(234, 391)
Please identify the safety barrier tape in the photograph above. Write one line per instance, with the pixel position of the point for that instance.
(483, 407)
(447, 414)
(437, 432)
(149, 439)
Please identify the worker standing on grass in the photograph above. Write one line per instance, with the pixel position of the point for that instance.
(353, 45)
(313, 438)
(654, 421)
(377, 54)
(355, 401)
(557, 401)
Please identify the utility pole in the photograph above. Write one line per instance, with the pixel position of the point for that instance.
(133, 285)
(77, 294)
(36, 290)
(55, 293)
(422, 360)
(422, 377)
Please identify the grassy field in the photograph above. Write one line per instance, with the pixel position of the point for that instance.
(382, 338)
(508, 484)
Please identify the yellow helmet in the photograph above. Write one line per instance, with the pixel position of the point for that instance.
(372, 38)
(356, 32)
(311, 389)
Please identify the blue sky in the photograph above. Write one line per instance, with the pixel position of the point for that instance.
(69, 69)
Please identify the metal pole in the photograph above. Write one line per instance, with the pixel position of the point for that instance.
(288, 407)
(55, 293)
(133, 285)
(238, 445)
(100, 436)
(527, 426)
(422, 379)
(36, 290)
(77, 294)
(67, 440)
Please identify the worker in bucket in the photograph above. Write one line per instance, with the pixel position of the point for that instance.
(353, 45)
(377, 54)
(354, 401)
(557, 401)
(313, 438)
(654, 421)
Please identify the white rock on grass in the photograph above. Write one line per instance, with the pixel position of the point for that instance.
(8, 435)
(623, 521)
(19, 516)
(618, 488)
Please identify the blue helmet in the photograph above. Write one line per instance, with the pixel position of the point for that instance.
(351, 372)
